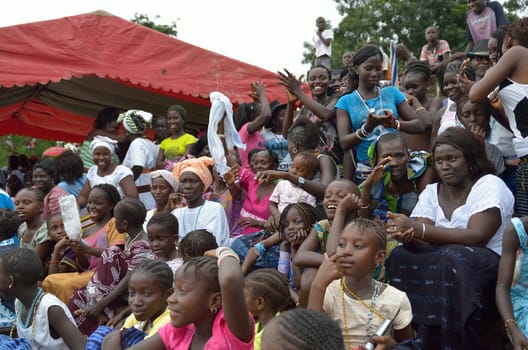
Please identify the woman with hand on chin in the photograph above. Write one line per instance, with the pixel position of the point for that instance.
(454, 236)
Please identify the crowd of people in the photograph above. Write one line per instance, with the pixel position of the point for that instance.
(353, 216)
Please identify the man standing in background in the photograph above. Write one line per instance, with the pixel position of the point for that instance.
(482, 19)
(323, 44)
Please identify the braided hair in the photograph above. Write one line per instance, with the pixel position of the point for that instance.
(204, 268)
(271, 285)
(196, 243)
(111, 192)
(452, 65)
(420, 68)
(36, 192)
(307, 212)
(159, 270)
(366, 224)
(8, 223)
(305, 329)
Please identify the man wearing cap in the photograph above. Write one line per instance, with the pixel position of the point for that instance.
(482, 19)
(480, 61)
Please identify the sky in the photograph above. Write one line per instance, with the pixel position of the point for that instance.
(269, 34)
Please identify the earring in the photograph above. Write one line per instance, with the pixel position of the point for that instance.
(10, 285)
(214, 309)
(295, 150)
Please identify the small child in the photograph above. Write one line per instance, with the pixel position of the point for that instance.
(305, 165)
(511, 297)
(205, 308)
(33, 232)
(476, 118)
(59, 250)
(43, 320)
(267, 293)
(302, 329)
(310, 254)
(8, 227)
(148, 289)
(195, 244)
(162, 233)
(345, 290)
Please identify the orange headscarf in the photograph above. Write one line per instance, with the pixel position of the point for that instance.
(198, 166)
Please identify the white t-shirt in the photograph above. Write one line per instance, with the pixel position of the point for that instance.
(144, 153)
(320, 47)
(488, 192)
(41, 338)
(119, 173)
(210, 216)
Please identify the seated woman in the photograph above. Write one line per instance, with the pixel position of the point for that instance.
(449, 259)
(163, 186)
(44, 175)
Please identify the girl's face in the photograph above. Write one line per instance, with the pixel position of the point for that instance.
(27, 205)
(452, 86)
(174, 121)
(261, 161)
(98, 207)
(369, 71)
(451, 165)
(56, 228)
(161, 191)
(318, 81)
(334, 194)
(191, 186)
(102, 157)
(294, 223)
(362, 252)
(396, 150)
(300, 168)
(42, 180)
(474, 114)
(492, 50)
(162, 240)
(187, 304)
(146, 296)
(415, 85)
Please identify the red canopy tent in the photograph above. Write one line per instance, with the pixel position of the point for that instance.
(56, 75)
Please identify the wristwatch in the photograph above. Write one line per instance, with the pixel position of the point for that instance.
(301, 181)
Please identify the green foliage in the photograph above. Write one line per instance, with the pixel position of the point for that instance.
(144, 20)
(19, 147)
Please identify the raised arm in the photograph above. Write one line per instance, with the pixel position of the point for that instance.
(265, 112)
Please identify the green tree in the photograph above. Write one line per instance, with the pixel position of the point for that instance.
(144, 20)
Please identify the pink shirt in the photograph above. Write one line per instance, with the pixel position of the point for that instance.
(252, 141)
(222, 339)
(252, 208)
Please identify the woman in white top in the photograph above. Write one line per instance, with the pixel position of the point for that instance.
(106, 172)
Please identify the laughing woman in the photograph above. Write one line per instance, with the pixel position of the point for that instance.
(454, 236)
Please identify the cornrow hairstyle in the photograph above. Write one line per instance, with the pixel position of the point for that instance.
(271, 285)
(36, 192)
(307, 212)
(48, 166)
(166, 220)
(518, 31)
(24, 264)
(196, 243)
(69, 166)
(204, 268)
(305, 329)
(420, 68)
(133, 210)
(309, 159)
(8, 223)
(159, 270)
(366, 224)
(304, 133)
(111, 192)
(273, 156)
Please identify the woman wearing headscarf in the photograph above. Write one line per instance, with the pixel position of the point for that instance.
(179, 143)
(105, 172)
(163, 185)
(195, 178)
(142, 153)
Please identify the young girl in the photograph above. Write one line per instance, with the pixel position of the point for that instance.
(511, 297)
(60, 245)
(344, 287)
(163, 187)
(148, 289)
(205, 307)
(302, 329)
(267, 293)
(42, 319)
(100, 298)
(310, 253)
(86, 252)
(196, 243)
(162, 233)
(179, 143)
(33, 232)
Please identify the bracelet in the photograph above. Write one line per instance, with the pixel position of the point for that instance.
(421, 108)
(223, 252)
(507, 323)
(397, 124)
(366, 206)
(259, 248)
(364, 131)
(221, 136)
(359, 136)
(423, 231)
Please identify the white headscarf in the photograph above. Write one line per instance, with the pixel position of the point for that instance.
(167, 176)
(103, 141)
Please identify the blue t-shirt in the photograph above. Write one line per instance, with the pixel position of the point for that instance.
(5, 201)
(390, 98)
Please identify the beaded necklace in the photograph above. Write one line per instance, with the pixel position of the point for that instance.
(372, 310)
(195, 221)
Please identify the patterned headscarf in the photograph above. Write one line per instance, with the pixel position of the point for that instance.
(135, 121)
